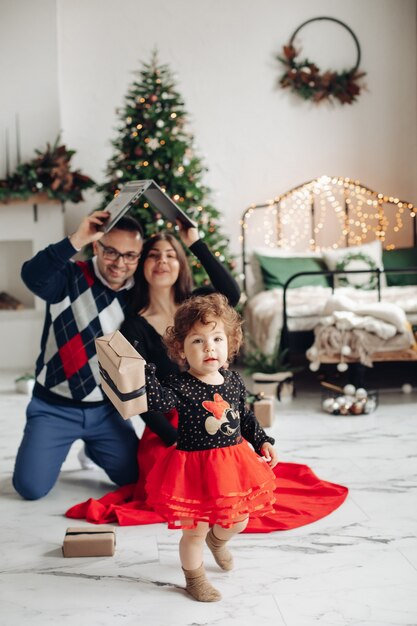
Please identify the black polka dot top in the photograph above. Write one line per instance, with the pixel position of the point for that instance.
(210, 416)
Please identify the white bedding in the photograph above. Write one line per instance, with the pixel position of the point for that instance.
(306, 306)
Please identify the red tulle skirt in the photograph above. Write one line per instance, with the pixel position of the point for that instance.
(218, 486)
(301, 497)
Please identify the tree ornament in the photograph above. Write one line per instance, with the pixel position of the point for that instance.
(349, 390)
(361, 393)
(153, 143)
(305, 79)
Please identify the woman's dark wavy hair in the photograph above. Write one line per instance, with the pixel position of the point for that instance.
(139, 298)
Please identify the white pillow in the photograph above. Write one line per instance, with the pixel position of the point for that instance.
(255, 282)
(367, 256)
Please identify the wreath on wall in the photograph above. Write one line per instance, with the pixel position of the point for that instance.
(304, 78)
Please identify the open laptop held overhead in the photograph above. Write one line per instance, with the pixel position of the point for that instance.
(160, 201)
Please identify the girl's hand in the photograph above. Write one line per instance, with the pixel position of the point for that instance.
(188, 236)
(269, 453)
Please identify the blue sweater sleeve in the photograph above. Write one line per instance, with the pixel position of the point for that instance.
(46, 273)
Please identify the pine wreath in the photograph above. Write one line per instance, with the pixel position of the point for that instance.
(304, 78)
(369, 264)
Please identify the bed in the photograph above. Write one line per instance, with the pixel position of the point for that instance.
(330, 270)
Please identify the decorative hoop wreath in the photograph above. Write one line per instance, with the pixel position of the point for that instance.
(304, 77)
(346, 280)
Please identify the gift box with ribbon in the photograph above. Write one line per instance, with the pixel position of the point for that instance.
(122, 373)
(89, 541)
(263, 408)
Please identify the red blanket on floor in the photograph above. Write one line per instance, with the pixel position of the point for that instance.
(302, 497)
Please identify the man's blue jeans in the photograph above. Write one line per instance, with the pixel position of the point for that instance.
(50, 431)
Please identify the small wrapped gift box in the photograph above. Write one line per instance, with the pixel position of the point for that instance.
(263, 408)
(122, 373)
(89, 541)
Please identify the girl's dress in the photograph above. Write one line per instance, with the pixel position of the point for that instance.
(301, 497)
(212, 475)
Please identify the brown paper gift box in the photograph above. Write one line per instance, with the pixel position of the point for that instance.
(89, 541)
(122, 373)
(264, 411)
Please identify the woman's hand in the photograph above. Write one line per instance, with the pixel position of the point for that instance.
(188, 236)
(269, 453)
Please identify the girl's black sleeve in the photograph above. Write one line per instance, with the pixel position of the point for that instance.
(220, 278)
(249, 425)
(156, 421)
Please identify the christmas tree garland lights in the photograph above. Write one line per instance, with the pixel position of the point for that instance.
(154, 143)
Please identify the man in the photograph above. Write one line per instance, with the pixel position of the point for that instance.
(85, 300)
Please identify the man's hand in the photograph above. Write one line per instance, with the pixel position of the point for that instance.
(88, 231)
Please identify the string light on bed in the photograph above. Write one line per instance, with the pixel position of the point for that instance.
(300, 219)
(359, 211)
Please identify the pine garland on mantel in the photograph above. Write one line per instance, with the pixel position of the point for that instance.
(47, 177)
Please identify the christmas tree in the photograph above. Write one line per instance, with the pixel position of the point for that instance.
(154, 143)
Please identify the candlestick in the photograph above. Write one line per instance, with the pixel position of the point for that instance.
(17, 139)
(7, 154)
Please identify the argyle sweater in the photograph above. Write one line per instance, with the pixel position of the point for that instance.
(79, 308)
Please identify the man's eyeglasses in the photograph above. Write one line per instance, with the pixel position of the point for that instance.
(130, 258)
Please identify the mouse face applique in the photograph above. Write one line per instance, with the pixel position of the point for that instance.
(223, 418)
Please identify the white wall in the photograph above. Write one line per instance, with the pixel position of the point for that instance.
(256, 140)
(29, 77)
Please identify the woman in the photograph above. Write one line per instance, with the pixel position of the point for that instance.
(162, 281)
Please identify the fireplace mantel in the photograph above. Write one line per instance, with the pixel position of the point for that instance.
(24, 230)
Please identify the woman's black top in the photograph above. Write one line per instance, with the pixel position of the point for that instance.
(149, 342)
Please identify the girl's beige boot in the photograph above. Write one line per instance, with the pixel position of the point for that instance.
(222, 555)
(199, 587)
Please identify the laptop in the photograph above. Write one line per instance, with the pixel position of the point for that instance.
(160, 201)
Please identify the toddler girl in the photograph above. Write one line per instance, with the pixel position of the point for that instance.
(212, 480)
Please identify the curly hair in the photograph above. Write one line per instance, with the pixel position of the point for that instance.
(203, 309)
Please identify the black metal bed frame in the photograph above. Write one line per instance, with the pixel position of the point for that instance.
(302, 339)
(382, 199)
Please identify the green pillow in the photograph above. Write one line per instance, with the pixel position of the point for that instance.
(277, 270)
(400, 258)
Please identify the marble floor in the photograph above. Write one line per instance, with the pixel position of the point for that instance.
(356, 567)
